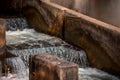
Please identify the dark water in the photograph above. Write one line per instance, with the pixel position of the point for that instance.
(24, 42)
(15, 24)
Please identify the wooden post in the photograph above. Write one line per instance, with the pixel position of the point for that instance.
(48, 67)
(2, 37)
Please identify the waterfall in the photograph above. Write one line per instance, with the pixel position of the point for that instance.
(13, 67)
(16, 24)
(30, 42)
(22, 42)
(78, 57)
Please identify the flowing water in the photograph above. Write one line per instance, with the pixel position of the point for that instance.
(23, 42)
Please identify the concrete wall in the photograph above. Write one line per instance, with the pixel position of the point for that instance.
(104, 10)
(44, 18)
(98, 39)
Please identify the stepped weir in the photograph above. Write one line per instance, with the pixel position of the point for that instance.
(90, 43)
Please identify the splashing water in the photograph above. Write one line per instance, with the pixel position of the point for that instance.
(94, 74)
(28, 41)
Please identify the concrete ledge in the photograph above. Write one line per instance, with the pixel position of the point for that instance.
(100, 40)
(82, 16)
(101, 44)
(48, 67)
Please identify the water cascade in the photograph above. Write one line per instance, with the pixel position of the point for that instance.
(22, 41)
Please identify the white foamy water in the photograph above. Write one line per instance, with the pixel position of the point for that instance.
(14, 77)
(16, 37)
(94, 74)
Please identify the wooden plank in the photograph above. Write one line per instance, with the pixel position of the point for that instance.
(2, 36)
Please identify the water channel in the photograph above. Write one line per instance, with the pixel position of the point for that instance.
(22, 41)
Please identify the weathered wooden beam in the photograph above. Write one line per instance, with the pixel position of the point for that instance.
(48, 67)
(2, 37)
